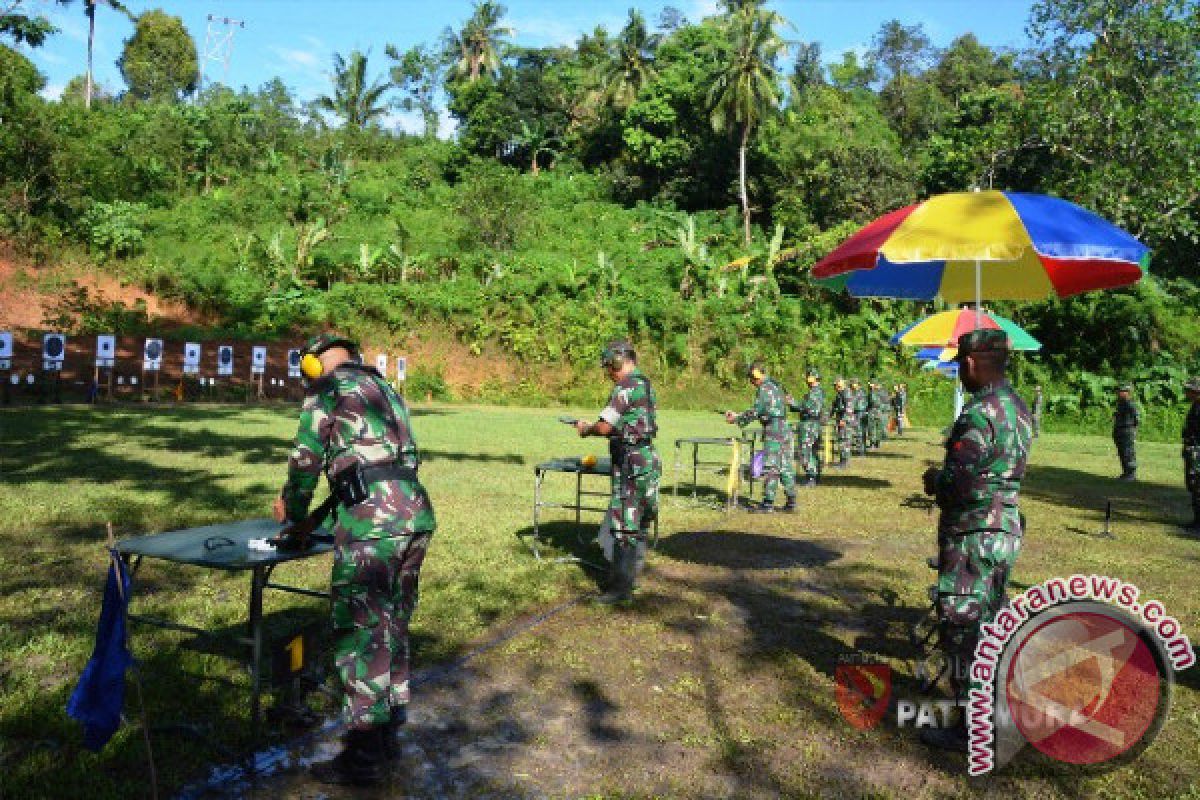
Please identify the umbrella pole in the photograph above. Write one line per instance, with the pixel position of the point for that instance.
(978, 293)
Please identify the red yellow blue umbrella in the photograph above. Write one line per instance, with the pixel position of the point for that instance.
(989, 245)
(940, 331)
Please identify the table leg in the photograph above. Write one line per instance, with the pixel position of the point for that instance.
(695, 469)
(675, 472)
(258, 580)
(578, 498)
(538, 477)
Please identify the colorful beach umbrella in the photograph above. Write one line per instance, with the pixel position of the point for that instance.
(942, 331)
(988, 245)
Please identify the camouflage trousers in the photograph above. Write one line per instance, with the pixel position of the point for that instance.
(1191, 476)
(845, 437)
(374, 588)
(779, 467)
(973, 571)
(863, 433)
(874, 428)
(633, 504)
(1126, 441)
(808, 434)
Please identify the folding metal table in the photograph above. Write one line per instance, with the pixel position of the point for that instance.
(569, 466)
(746, 441)
(223, 547)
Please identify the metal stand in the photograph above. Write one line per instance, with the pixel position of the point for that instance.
(708, 467)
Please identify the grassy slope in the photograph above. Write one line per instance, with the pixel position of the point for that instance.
(786, 596)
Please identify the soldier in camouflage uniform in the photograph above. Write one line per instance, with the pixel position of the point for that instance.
(770, 408)
(844, 421)
(808, 432)
(630, 423)
(355, 429)
(976, 488)
(1125, 425)
(877, 403)
(1191, 451)
(862, 417)
(899, 401)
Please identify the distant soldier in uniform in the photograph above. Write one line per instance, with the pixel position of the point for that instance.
(843, 421)
(863, 416)
(630, 422)
(1039, 405)
(1125, 424)
(809, 430)
(1191, 451)
(882, 402)
(976, 488)
(899, 400)
(770, 408)
(355, 429)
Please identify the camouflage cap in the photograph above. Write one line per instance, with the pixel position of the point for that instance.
(1125, 387)
(323, 341)
(982, 341)
(617, 349)
(1192, 384)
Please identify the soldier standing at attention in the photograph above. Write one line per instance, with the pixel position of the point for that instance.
(770, 408)
(898, 408)
(976, 488)
(1191, 451)
(809, 430)
(630, 423)
(1125, 425)
(1039, 404)
(862, 415)
(843, 420)
(355, 429)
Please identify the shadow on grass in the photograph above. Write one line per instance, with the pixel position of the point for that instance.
(576, 542)
(1140, 501)
(844, 481)
(741, 550)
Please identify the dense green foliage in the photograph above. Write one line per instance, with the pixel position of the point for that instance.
(596, 190)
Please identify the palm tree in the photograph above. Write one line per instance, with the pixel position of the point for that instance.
(538, 139)
(89, 9)
(354, 99)
(476, 49)
(632, 66)
(747, 88)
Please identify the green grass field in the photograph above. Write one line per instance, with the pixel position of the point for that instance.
(727, 659)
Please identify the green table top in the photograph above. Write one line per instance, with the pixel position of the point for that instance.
(221, 546)
(603, 466)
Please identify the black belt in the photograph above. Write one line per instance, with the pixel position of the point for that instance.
(352, 485)
(388, 472)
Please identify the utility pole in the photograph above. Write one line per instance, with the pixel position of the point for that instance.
(218, 46)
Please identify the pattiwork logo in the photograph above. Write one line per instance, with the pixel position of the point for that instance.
(863, 690)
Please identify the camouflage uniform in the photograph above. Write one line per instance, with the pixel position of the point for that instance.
(1039, 405)
(1125, 425)
(351, 418)
(632, 412)
(845, 420)
(899, 406)
(977, 487)
(862, 417)
(808, 432)
(1191, 452)
(876, 403)
(770, 408)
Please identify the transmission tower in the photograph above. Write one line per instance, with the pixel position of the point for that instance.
(218, 45)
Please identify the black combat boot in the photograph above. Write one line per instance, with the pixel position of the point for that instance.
(1128, 475)
(761, 508)
(622, 577)
(359, 764)
(399, 716)
(789, 507)
(809, 483)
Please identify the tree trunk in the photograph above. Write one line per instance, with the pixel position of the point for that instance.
(742, 182)
(533, 167)
(91, 14)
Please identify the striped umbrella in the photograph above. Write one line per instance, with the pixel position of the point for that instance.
(988, 245)
(939, 333)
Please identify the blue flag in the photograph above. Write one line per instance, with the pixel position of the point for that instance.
(97, 700)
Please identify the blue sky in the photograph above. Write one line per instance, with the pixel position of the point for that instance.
(295, 39)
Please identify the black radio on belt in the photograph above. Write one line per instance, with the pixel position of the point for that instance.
(352, 485)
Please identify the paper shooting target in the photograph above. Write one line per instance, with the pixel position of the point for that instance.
(258, 360)
(225, 360)
(54, 350)
(152, 354)
(293, 363)
(106, 350)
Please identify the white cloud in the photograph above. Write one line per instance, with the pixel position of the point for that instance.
(700, 9)
(53, 91)
(296, 60)
(412, 122)
(554, 31)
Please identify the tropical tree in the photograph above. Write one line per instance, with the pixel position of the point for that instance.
(632, 65)
(537, 140)
(747, 88)
(159, 61)
(477, 47)
(356, 100)
(89, 9)
(417, 74)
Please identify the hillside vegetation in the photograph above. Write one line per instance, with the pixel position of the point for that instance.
(672, 181)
